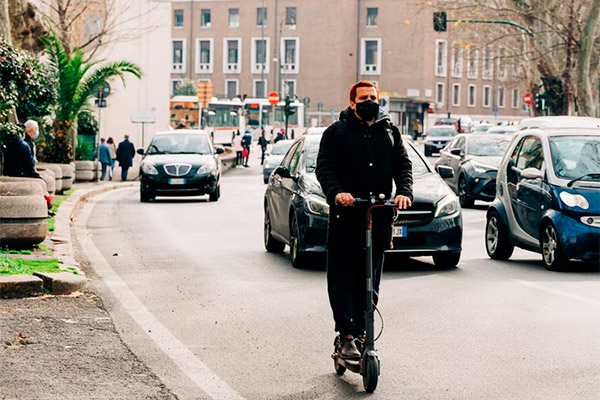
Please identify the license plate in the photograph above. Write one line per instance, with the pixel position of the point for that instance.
(177, 181)
(400, 231)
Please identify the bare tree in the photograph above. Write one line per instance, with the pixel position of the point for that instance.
(26, 25)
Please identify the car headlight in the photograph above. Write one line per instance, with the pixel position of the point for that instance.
(317, 205)
(210, 168)
(482, 168)
(448, 205)
(574, 200)
(149, 169)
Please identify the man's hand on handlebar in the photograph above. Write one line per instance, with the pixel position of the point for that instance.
(345, 199)
(403, 202)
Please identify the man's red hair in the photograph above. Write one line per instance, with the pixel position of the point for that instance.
(362, 84)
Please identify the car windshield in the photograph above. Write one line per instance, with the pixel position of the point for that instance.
(282, 147)
(488, 146)
(435, 132)
(575, 156)
(418, 165)
(179, 144)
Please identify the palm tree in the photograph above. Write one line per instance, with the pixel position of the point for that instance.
(78, 81)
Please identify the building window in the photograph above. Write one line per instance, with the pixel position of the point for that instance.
(515, 98)
(488, 64)
(502, 73)
(440, 57)
(486, 95)
(289, 88)
(205, 18)
(290, 55)
(260, 89)
(472, 64)
(516, 68)
(290, 16)
(501, 97)
(178, 59)
(175, 84)
(234, 17)
(371, 58)
(372, 16)
(456, 94)
(205, 56)
(260, 51)
(457, 60)
(261, 16)
(472, 96)
(231, 88)
(439, 94)
(178, 18)
(232, 50)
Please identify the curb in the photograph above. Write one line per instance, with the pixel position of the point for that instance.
(14, 286)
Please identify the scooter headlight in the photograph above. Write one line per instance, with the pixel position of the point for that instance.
(447, 206)
(574, 200)
(317, 205)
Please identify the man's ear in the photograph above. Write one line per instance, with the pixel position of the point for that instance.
(352, 105)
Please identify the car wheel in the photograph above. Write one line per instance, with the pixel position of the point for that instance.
(214, 196)
(266, 180)
(552, 253)
(463, 195)
(497, 242)
(146, 196)
(271, 244)
(446, 259)
(297, 256)
(427, 153)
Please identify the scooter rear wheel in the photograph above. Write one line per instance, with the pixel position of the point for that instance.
(371, 373)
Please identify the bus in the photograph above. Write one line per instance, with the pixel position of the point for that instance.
(260, 114)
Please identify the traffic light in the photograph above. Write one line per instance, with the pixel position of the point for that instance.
(541, 101)
(288, 109)
(439, 21)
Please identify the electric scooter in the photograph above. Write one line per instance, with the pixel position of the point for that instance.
(368, 365)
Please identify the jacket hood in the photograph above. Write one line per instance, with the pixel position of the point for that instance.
(349, 115)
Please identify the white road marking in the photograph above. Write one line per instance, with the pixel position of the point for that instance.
(558, 292)
(189, 364)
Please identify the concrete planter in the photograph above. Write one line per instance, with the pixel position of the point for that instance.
(23, 213)
(48, 178)
(68, 171)
(84, 171)
(58, 174)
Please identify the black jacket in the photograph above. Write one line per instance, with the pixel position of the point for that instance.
(18, 160)
(359, 159)
(125, 154)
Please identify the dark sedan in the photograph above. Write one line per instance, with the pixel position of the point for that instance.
(180, 163)
(475, 159)
(296, 212)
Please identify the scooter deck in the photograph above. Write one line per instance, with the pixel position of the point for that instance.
(352, 365)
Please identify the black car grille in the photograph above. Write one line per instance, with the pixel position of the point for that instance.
(177, 169)
(417, 214)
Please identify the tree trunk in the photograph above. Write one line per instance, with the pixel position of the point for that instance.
(4, 21)
(585, 99)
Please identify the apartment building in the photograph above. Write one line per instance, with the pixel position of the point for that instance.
(316, 50)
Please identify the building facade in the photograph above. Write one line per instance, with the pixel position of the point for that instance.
(316, 50)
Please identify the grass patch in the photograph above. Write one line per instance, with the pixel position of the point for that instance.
(28, 252)
(19, 266)
(57, 202)
(44, 248)
(51, 224)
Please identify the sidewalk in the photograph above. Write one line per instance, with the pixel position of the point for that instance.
(66, 347)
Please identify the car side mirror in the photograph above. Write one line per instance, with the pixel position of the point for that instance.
(445, 172)
(455, 152)
(532, 173)
(140, 151)
(219, 150)
(282, 172)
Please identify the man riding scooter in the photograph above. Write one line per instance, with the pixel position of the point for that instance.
(360, 156)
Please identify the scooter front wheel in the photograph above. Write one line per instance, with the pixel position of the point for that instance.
(371, 373)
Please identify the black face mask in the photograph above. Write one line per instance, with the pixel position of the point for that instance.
(367, 110)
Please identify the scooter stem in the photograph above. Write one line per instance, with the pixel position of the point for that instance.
(369, 315)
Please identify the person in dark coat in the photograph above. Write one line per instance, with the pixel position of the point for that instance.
(104, 157)
(263, 142)
(125, 154)
(360, 156)
(246, 143)
(18, 159)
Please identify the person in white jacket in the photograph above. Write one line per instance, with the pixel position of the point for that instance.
(238, 148)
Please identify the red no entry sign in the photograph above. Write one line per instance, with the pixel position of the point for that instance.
(273, 98)
(527, 98)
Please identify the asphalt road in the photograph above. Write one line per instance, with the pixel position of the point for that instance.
(194, 294)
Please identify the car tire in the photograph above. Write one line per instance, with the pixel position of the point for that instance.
(214, 196)
(463, 196)
(272, 245)
(497, 242)
(446, 259)
(552, 254)
(427, 153)
(297, 256)
(146, 196)
(266, 180)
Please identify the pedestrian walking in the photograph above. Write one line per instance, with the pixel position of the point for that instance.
(246, 143)
(263, 142)
(238, 148)
(181, 124)
(104, 157)
(280, 136)
(361, 155)
(110, 142)
(32, 131)
(125, 154)
(416, 129)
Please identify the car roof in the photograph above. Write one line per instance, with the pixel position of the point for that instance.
(442, 126)
(572, 131)
(504, 128)
(186, 131)
(559, 122)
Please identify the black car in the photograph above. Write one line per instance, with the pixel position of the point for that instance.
(475, 159)
(296, 211)
(180, 163)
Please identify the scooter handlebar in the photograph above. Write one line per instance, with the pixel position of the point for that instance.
(375, 202)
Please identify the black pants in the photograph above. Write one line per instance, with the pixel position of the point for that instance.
(346, 286)
(238, 158)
